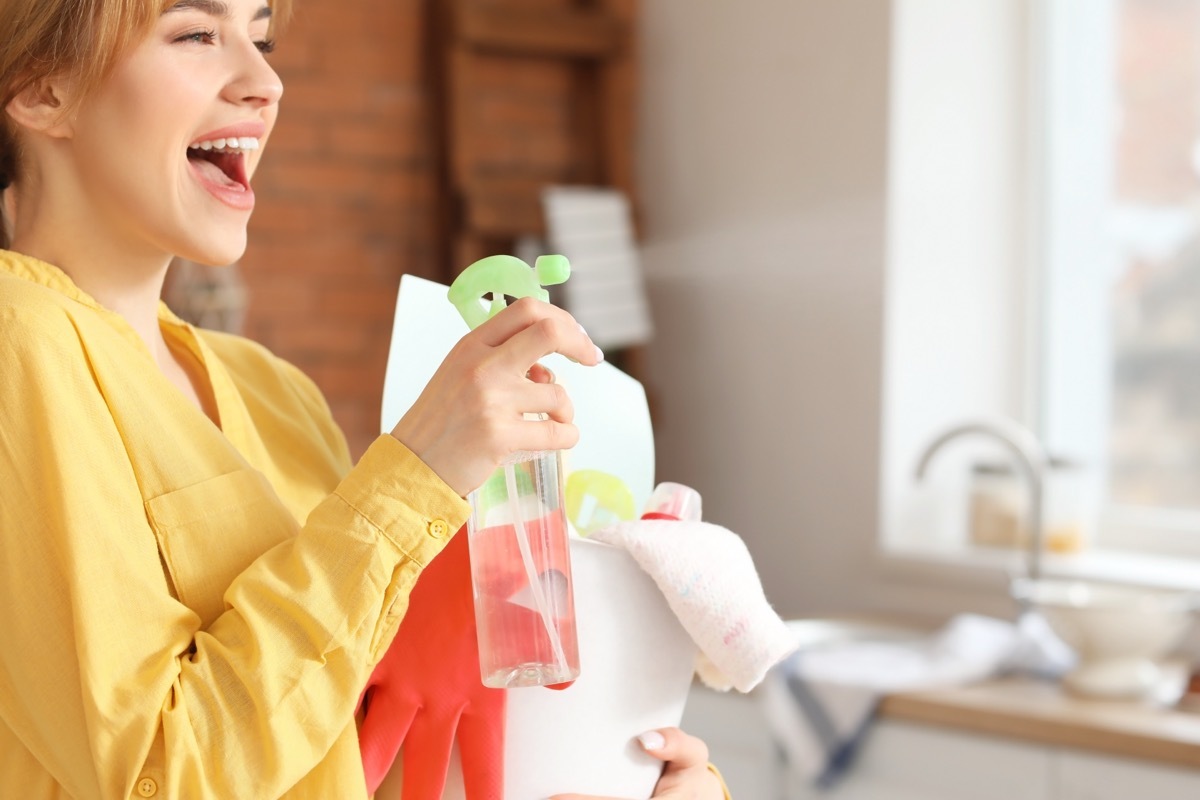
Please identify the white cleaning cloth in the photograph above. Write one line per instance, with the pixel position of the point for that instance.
(710, 583)
(820, 701)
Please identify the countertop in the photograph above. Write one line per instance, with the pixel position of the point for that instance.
(1027, 709)
(1039, 711)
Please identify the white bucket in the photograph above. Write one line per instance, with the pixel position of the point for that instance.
(636, 669)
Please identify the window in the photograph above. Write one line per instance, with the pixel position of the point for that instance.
(1120, 179)
(1044, 254)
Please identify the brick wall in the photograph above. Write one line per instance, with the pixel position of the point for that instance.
(344, 198)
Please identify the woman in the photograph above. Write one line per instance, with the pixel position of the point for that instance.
(168, 627)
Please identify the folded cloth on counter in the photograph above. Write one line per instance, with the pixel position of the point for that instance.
(710, 583)
(820, 702)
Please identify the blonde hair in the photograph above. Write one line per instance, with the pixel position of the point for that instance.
(79, 38)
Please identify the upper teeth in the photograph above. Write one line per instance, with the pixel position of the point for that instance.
(233, 143)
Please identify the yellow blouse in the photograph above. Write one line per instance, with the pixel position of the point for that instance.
(187, 611)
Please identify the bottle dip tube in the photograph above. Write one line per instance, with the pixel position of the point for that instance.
(517, 533)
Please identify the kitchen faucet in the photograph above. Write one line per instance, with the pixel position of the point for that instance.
(1031, 457)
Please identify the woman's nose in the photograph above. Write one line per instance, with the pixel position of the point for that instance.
(256, 82)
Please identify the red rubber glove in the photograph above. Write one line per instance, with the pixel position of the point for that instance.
(426, 691)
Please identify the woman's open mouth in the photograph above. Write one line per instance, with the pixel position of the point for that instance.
(220, 166)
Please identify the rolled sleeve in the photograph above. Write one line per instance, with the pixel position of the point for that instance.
(404, 499)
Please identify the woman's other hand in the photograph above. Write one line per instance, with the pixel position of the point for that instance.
(686, 775)
(470, 417)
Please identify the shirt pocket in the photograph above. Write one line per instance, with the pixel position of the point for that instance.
(210, 532)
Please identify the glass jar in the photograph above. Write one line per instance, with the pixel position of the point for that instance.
(1000, 506)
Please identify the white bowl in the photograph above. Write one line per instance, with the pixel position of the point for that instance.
(1120, 633)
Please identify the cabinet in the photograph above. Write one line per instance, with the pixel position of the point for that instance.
(903, 760)
(1082, 776)
(528, 93)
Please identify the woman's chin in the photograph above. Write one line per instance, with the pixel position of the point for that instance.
(214, 253)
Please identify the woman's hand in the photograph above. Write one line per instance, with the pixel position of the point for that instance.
(470, 417)
(686, 775)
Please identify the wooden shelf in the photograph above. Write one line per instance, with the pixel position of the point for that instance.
(579, 34)
(504, 207)
(526, 94)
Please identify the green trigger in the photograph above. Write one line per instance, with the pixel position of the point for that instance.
(504, 275)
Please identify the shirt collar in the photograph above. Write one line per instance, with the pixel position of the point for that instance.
(45, 274)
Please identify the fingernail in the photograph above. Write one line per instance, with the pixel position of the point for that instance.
(599, 354)
(652, 740)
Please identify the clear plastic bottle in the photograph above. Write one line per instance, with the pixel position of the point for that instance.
(673, 501)
(521, 571)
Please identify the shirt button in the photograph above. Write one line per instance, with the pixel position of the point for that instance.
(439, 529)
(147, 787)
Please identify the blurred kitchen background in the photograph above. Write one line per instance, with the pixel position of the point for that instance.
(857, 224)
(760, 141)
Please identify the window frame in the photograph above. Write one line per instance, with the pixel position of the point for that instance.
(912, 544)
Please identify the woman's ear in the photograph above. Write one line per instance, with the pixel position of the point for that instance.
(42, 107)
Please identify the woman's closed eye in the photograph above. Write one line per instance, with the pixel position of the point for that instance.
(206, 36)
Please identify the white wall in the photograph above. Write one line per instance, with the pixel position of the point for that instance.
(763, 177)
(776, 137)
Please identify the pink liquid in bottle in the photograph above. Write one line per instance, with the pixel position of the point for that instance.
(521, 571)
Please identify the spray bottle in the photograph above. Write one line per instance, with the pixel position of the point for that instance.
(517, 533)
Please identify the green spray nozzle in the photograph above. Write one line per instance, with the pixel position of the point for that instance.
(500, 276)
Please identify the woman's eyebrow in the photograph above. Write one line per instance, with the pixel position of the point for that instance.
(215, 8)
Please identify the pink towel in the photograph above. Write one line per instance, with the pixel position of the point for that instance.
(709, 580)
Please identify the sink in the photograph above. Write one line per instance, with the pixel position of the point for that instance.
(1121, 634)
